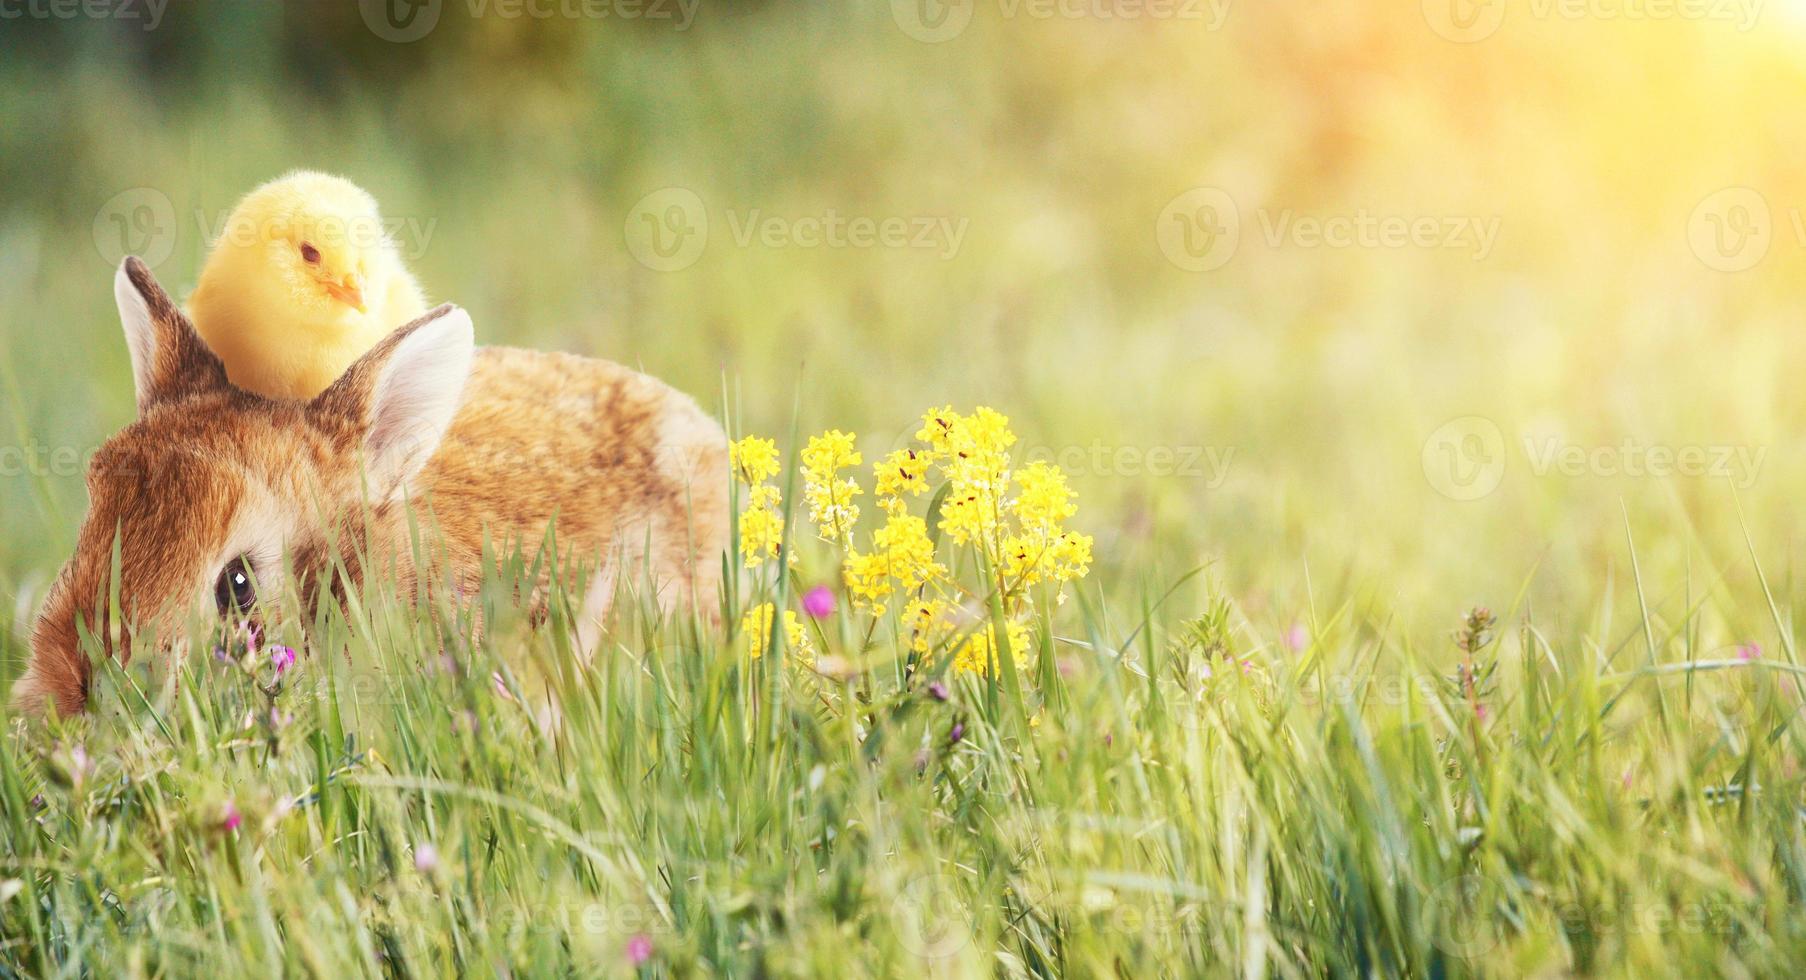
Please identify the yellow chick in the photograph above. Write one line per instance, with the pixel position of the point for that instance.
(302, 281)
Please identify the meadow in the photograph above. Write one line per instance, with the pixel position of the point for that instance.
(1427, 387)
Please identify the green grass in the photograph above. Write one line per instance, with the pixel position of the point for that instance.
(1160, 796)
(1628, 805)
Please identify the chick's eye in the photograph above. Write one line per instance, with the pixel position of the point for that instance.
(310, 254)
(235, 591)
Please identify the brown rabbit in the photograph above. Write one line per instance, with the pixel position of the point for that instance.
(211, 482)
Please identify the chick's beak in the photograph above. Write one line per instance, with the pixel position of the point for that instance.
(349, 292)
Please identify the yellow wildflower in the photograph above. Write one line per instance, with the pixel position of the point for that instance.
(1027, 560)
(903, 541)
(868, 580)
(927, 620)
(976, 654)
(830, 451)
(1022, 561)
(830, 498)
(1045, 501)
(937, 426)
(985, 431)
(754, 460)
(977, 465)
(756, 624)
(1044, 549)
(761, 526)
(902, 559)
(1016, 519)
(1070, 557)
(972, 511)
(903, 472)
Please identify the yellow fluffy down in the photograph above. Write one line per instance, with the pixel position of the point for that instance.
(301, 282)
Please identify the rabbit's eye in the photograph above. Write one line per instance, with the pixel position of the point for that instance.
(310, 254)
(235, 592)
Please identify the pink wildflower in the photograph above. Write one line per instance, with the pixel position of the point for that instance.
(1296, 637)
(282, 658)
(819, 602)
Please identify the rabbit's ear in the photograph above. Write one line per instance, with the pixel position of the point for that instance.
(169, 360)
(402, 395)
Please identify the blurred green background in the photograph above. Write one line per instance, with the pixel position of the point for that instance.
(1224, 383)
